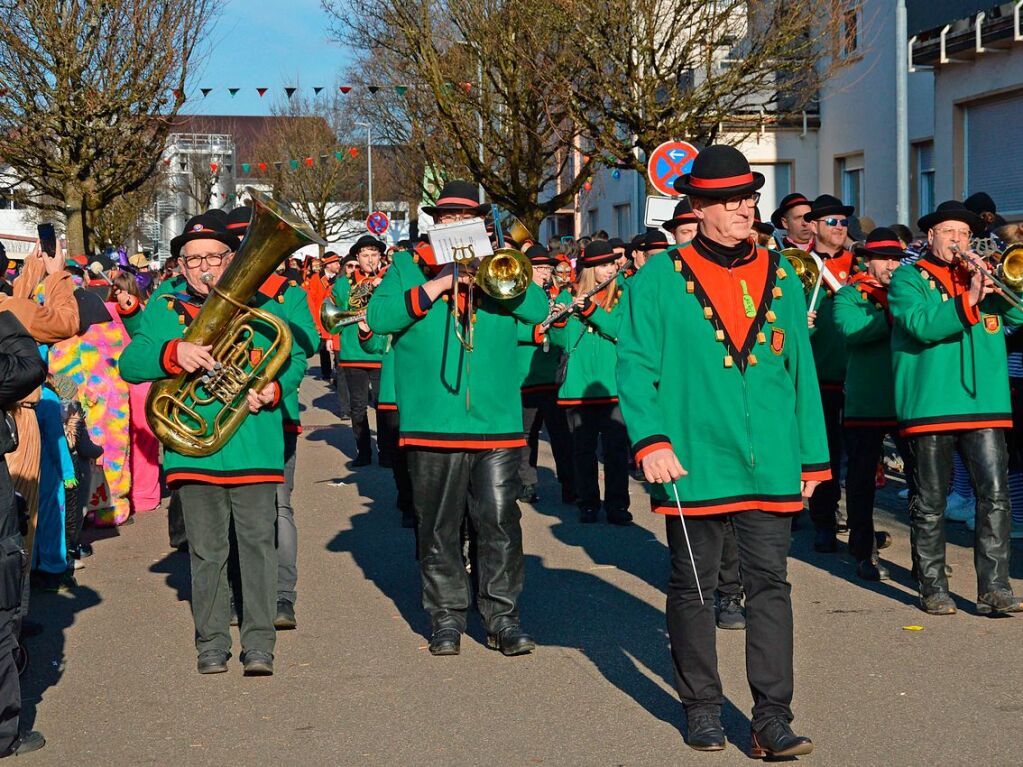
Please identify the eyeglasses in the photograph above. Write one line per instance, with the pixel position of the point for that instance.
(962, 234)
(734, 203)
(211, 259)
(836, 221)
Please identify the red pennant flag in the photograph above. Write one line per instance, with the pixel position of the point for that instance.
(345, 89)
(353, 152)
(467, 87)
(166, 161)
(309, 162)
(262, 167)
(261, 91)
(177, 93)
(3, 92)
(213, 167)
(205, 91)
(290, 91)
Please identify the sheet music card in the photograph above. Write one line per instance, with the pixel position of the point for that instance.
(461, 241)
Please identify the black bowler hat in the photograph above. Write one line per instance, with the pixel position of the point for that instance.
(634, 244)
(952, 210)
(683, 214)
(457, 195)
(367, 241)
(980, 203)
(538, 255)
(596, 253)
(204, 227)
(617, 242)
(828, 205)
(759, 226)
(788, 202)
(881, 243)
(719, 172)
(238, 220)
(654, 239)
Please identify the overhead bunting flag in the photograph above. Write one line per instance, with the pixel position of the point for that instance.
(293, 164)
(345, 88)
(262, 167)
(316, 91)
(309, 162)
(206, 91)
(213, 167)
(245, 168)
(183, 164)
(353, 152)
(290, 91)
(323, 159)
(467, 87)
(400, 89)
(373, 89)
(233, 91)
(339, 155)
(177, 94)
(229, 167)
(261, 91)
(277, 166)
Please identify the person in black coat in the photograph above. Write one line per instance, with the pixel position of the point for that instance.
(21, 372)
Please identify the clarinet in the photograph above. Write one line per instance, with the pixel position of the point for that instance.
(566, 311)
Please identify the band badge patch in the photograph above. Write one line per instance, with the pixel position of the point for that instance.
(255, 356)
(991, 323)
(777, 340)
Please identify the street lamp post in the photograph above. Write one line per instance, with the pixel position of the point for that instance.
(369, 164)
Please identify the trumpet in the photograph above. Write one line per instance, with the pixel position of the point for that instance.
(1007, 276)
(333, 317)
(566, 311)
(503, 275)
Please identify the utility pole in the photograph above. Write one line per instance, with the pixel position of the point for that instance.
(369, 164)
(901, 115)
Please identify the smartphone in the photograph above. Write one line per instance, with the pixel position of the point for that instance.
(47, 239)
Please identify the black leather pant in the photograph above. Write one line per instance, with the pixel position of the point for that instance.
(447, 484)
(986, 457)
(864, 446)
(823, 503)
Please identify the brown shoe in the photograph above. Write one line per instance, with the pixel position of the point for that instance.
(939, 603)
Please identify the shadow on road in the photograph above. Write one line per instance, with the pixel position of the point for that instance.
(46, 651)
(176, 567)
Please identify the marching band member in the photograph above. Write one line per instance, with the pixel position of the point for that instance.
(539, 354)
(362, 370)
(654, 242)
(763, 232)
(589, 391)
(683, 222)
(828, 219)
(715, 373)
(237, 483)
(317, 287)
(462, 427)
(790, 217)
(952, 393)
(863, 319)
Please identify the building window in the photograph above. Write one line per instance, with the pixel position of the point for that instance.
(924, 176)
(850, 178)
(777, 184)
(623, 221)
(592, 216)
(850, 31)
(7, 201)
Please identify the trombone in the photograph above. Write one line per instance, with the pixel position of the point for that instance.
(1007, 276)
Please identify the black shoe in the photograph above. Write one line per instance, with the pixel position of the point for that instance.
(776, 739)
(528, 494)
(25, 743)
(511, 640)
(706, 732)
(213, 661)
(587, 516)
(619, 517)
(730, 613)
(939, 603)
(360, 460)
(999, 602)
(258, 663)
(883, 539)
(824, 541)
(567, 495)
(285, 618)
(871, 570)
(446, 641)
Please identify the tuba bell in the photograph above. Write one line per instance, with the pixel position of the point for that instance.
(506, 274)
(805, 267)
(195, 414)
(1010, 267)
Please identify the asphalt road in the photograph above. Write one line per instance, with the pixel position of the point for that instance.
(112, 679)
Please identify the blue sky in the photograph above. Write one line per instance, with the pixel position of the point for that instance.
(263, 43)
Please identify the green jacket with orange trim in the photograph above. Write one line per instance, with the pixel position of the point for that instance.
(450, 397)
(255, 453)
(352, 354)
(826, 340)
(374, 343)
(589, 339)
(304, 334)
(736, 397)
(539, 354)
(948, 358)
(861, 316)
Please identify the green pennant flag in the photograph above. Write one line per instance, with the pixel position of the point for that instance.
(245, 167)
(339, 155)
(233, 91)
(294, 164)
(400, 89)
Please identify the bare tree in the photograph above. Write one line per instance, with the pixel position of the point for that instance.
(474, 105)
(90, 90)
(119, 221)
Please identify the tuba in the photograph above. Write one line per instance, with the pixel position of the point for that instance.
(176, 407)
(805, 267)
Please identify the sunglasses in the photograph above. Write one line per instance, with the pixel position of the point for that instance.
(836, 221)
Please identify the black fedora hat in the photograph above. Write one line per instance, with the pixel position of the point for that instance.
(980, 203)
(654, 239)
(683, 214)
(881, 243)
(238, 220)
(596, 253)
(952, 210)
(719, 172)
(205, 226)
(457, 195)
(828, 205)
(758, 224)
(538, 255)
(788, 202)
(367, 241)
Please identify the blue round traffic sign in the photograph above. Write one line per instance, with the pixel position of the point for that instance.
(377, 222)
(669, 161)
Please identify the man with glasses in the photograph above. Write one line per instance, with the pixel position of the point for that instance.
(715, 375)
(828, 219)
(952, 393)
(238, 483)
